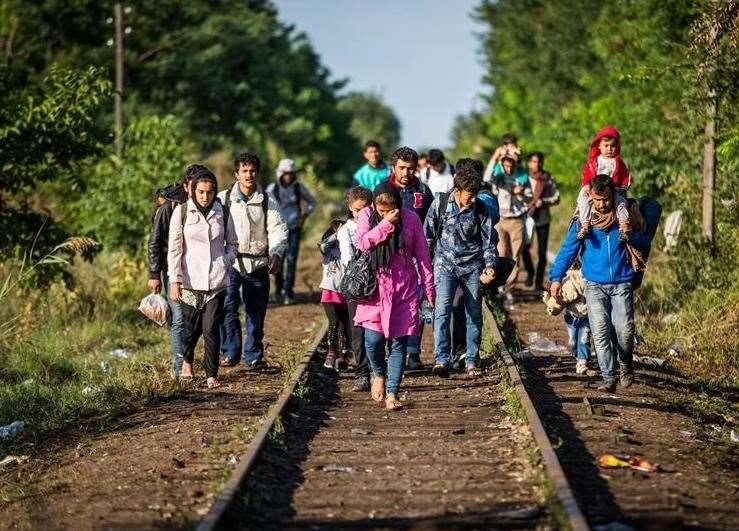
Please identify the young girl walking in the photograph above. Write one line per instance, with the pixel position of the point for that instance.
(331, 299)
(395, 240)
(202, 248)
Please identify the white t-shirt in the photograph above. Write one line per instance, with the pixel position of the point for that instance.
(605, 166)
(439, 182)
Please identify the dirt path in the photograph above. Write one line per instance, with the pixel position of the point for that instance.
(158, 467)
(698, 487)
(451, 459)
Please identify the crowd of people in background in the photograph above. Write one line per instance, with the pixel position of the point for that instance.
(423, 242)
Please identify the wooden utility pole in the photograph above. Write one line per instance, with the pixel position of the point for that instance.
(709, 167)
(118, 96)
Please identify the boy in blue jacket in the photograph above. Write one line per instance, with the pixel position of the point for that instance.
(608, 271)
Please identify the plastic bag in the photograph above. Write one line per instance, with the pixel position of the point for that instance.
(155, 307)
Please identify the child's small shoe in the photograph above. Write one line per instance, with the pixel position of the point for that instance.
(581, 367)
(330, 360)
(582, 232)
(624, 231)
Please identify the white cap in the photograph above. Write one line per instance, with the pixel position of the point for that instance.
(286, 166)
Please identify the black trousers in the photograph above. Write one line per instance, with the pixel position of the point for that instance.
(542, 241)
(338, 323)
(205, 322)
(357, 335)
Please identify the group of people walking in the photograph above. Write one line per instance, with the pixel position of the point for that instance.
(213, 250)
(424, 241)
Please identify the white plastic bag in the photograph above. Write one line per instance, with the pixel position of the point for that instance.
(155, 307)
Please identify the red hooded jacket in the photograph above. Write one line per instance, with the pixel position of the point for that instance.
(621, 176)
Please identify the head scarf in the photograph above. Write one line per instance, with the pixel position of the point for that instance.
(380, 256)
(204, 175)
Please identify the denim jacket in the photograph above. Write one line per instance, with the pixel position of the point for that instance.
(468, 238)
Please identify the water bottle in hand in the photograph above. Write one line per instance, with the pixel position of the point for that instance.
(427, 313)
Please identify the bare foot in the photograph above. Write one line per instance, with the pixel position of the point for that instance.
(212, 383)
(392, 403)
(378, 388)
(186, 371)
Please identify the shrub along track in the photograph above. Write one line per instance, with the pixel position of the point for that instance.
(698, 487)
(452, 459)
(159, 466)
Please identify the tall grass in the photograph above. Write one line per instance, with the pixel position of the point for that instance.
(56, 362)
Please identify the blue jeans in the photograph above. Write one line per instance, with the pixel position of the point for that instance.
(254, 290)
(578, 330)
(390, 368)
(611, 315)
(286, 276)
(446, 285)
(176, 328)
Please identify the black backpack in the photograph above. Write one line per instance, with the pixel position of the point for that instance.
(359, 282)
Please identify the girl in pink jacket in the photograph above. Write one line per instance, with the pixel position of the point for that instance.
(395, 240)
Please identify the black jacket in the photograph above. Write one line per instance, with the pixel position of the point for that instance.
(172, 195)
(416, 197)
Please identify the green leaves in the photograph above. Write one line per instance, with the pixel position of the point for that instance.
(119, 200)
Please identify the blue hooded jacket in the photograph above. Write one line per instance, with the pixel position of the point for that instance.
(604, 257)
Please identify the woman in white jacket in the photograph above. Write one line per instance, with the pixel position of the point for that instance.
(356, 199)
(202, 248)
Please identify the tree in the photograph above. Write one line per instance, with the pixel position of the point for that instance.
(371, 119)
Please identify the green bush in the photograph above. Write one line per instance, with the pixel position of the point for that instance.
(119, 200)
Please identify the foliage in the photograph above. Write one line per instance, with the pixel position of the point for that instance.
(558, 71)
(46, 130)
(371, 119)
(233, 72)
(119, 199)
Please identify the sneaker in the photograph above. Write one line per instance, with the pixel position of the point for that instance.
(361, 384)
(413, 363)
(473, 371)
(581, 367)
(330, 360)
(440, 370)
(340, 364)
(258, 365)
(626, 375)
(582, 232)
(609, 386)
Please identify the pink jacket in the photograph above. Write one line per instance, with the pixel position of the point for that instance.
(394, 309)
(201, 255)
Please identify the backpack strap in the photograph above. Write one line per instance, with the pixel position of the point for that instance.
(183, 213)
(265, 210)
(440, 216)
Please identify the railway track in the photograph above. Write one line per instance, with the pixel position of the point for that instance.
(452, 459)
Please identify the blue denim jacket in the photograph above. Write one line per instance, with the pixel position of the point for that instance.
(468, 237)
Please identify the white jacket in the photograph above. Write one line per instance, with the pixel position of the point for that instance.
(200, 254)
(255, 244)
(347, 236)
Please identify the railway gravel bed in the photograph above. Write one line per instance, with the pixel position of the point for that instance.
(452, 459)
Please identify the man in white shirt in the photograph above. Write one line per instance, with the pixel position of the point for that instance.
(262, 234)
(439, 174)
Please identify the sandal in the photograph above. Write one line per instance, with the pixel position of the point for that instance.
(213, 383)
